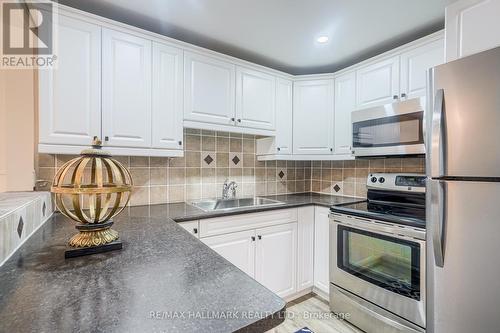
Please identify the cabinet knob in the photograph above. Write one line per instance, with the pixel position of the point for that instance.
(403, 95)
(106, 138)
(195, 230)
(253, 238)
(180, 143)
(395, 97)
(331, 149)
(239, 120)
(260, 237)
(232, 119)
(278, 148)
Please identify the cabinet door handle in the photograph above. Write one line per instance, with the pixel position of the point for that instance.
(253, 238)
(278, 148)
(331, 149)
(395, 97)
(106, 138)
(180, 143)
(403, 95)
(232, 119)
(260, 237)
(195, 230)
(239, 120)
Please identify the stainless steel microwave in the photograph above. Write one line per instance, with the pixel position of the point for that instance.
(392, 129)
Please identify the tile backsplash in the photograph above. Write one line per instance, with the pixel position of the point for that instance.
(211, 157)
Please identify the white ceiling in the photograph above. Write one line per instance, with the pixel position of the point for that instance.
(281, 33)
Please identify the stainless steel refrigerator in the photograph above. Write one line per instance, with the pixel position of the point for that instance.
(463, 195)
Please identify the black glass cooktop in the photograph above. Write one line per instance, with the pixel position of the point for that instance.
(412, 215)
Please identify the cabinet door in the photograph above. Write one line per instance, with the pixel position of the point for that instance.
(284, 117)
(321, 249)
(167, 97)
(209, 89)
(126, 98)
(305, 246)
(471, 26)
(378, 83)
(345, 103)
(276, 257)
(313, 110)
(70, 95)
(255, 99)
(414, 66)
(192, 227)
(238, 248)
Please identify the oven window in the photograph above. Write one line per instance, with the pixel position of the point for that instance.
(387, 262)
(389, 131)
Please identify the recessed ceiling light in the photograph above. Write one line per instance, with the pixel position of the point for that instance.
(322, 39)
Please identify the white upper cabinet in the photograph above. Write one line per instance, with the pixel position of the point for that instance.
(276, 258)
(414, 66)
(167, 97)
(377, 83)
(70, 95)
(313, 110)
(209, 89)
(126, 86)
(255, 99)
(472, 26)
(345, 103)
(284, 119)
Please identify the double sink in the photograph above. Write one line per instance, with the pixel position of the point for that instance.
(235, 204)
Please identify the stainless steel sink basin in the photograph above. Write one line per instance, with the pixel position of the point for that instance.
(234, 204)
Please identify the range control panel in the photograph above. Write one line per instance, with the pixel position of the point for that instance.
(407, 182)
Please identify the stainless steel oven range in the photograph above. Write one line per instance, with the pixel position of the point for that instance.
(377, 256)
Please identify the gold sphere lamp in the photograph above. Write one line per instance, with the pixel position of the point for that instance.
(91, 189)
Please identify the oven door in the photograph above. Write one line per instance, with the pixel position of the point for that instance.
(394, 129)
(380, 265)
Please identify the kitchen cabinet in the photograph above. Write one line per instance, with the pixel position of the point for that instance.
(377, 83)
(167, 97)
(345, 103)
(276, 258)
(313, 117)
(209, 89)
(305, 248)
(238, 248)
(126, 93)
(70, 95)
(255, 99)
(192, 227)
(321, 250)
(471, 26)
(414, 66)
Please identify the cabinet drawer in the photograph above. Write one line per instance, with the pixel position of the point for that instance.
(234, 223)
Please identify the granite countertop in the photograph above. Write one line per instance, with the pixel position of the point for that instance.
(163, 280)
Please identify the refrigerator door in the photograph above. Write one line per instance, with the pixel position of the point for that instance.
(463, 247)
(465, 117)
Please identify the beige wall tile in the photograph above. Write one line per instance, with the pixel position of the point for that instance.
(139, 161)
(158, 176)
(176, 193)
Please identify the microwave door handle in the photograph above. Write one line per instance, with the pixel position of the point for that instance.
(438, 144)
(438, 218)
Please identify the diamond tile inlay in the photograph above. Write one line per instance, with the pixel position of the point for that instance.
(20, 226)
(208, 159)
(336, 188)
(236, 160)
(281, 174)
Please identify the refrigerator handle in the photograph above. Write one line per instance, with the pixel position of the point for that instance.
(438, 145)
(438, 206)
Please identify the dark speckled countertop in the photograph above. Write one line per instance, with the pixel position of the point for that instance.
(163, 280)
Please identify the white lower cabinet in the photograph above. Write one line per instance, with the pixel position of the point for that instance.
(276, 258)
(305, 248)
(192, 227)
(238, 248)
(321, 250)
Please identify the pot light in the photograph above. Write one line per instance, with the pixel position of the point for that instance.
(322, 39)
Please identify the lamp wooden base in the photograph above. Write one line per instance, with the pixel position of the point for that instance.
(85, 251)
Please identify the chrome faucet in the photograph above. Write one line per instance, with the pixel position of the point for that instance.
(229, 189)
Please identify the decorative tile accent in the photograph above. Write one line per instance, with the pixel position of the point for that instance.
(336, 188)
(281, 174)
(208, 159)
(235, 160)
(20, 226)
